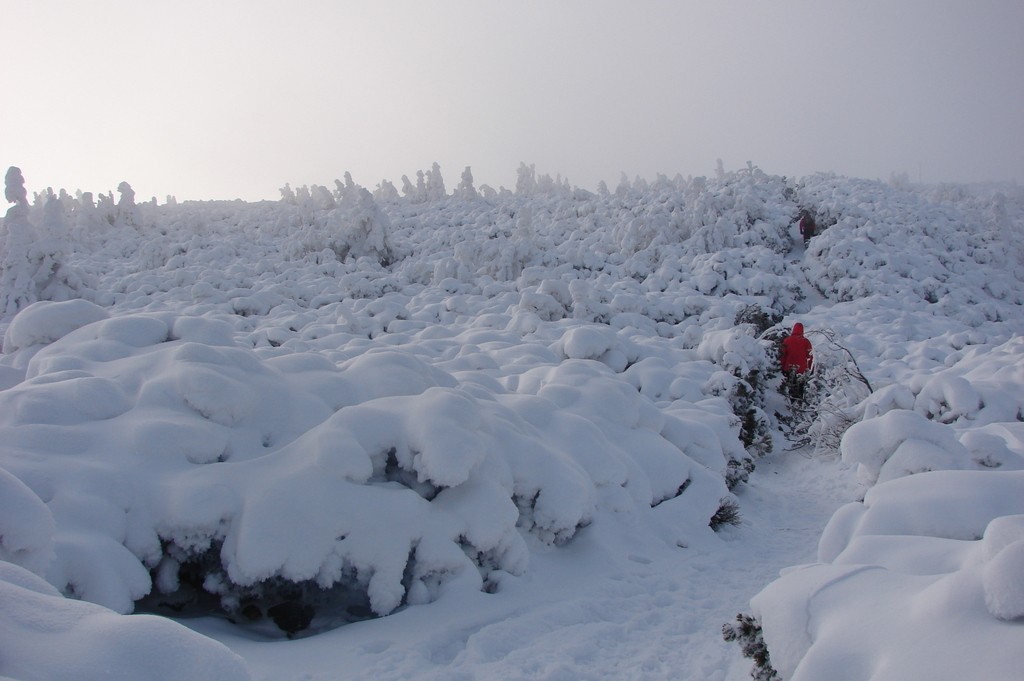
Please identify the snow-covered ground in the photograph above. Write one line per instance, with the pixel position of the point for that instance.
(486, 433)
(607, 607)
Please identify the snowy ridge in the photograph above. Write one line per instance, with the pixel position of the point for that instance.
(357, 402)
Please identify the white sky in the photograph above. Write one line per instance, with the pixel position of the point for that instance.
(233, 98)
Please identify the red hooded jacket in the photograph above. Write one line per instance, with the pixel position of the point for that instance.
(796, 351)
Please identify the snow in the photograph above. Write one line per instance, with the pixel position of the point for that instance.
(48, 636)
(354, 434)
(900, 443)
(913, 578)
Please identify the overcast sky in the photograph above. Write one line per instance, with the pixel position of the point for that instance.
(205, 99)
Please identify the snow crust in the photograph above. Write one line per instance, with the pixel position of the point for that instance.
(398, 402)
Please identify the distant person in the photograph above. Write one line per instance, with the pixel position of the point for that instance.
(808, 227)
(797, 361)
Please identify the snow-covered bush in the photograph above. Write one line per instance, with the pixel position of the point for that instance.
(863, 251)
(901, 443)
(747, 633)
(44, 322)
(327, 492)
(982, 385)
(761, 319)
(745, 365)
(354, 227)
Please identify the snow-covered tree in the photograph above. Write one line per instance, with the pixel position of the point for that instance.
(126, 209)
(31, 260)
(434, 185)
(14, 188)
(526, 180)
(421, 186)
(465, 189)
(408, 190)
(348, 223)
(386, 192)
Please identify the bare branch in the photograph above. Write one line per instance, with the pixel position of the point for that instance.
(830, 336)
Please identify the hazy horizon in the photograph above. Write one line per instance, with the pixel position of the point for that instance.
(236, 99)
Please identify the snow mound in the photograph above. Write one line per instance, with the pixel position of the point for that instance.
(901, 443)
(26, 526)
(927, 567)
(1003, 575)
(46, 636)
(44, 321)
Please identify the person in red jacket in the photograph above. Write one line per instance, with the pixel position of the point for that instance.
(808, 227)
(797, 361)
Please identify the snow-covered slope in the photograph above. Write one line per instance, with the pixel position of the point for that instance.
(346, 404)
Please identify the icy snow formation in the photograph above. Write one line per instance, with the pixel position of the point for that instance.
(366, 401)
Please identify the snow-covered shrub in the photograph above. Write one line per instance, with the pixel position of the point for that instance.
(901, 443)
(596, 342)
(44, 322)
(745, 362)
(309, 492)
(747, 633)
(981, 385)
(740, 209)
(761, 319)
(588, 304)
(496, 255)
(913, 428)
(864, 251)
(355, 227)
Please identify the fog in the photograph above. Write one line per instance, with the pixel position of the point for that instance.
(235, 99)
